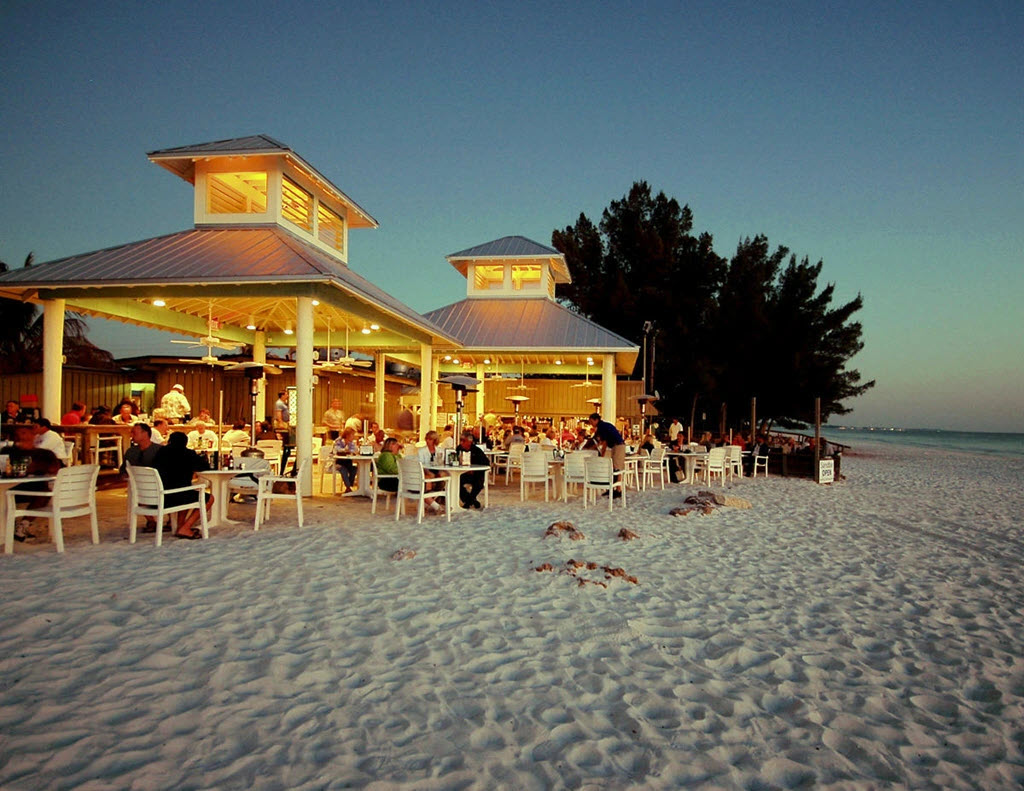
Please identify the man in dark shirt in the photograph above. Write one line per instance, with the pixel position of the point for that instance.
(141, 453)
(38, 461)
(470, 483)
(610, 441)
(177, 464)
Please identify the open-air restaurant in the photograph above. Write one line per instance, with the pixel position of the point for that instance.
(312, 382)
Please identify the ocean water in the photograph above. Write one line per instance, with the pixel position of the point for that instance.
(987, 442)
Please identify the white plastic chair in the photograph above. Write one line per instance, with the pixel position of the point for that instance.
(760, 463)
(514, 460)
(375, 479)
(272, 450)
(251, 466)
(325, 459)
(655, 465)
(265, 494)
(69, 452)
(715, 464)
(73, 494)
(146, 498)
(734, 461)
(575, 470)
(107, 443)
(601, 477)
(534, 469)
(412, 486)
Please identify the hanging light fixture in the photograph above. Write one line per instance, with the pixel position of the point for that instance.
(365, 330)
(252, 323)
(288, 329)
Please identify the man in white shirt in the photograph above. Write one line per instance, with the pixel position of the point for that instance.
(175, 404)
(201, 440)
(50, 440)
(674, 428)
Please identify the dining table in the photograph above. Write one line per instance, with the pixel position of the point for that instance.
(362, 473)
(219, 481)
(451, 474)
(6, 484)
(689, 462)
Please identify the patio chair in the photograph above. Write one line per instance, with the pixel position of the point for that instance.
(760, 463)
(575, 470)
(325, 460)
(250, 470)
(655, 465)
(265, 494)
(146, 494)
(534, 469)
(412, 486)
(375, 479)
(734, 461)
(73, 494)
(272, 451)
(106, 444)
(715, 464)
(601, 477)
(514, 460)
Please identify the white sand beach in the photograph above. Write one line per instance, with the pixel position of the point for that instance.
(868, 634)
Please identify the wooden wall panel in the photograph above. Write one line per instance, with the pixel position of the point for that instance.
(549, 398)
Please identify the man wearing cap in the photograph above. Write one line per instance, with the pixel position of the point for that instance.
(175, 404)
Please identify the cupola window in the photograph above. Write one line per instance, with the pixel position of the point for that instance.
(236, 193)
(296, 205)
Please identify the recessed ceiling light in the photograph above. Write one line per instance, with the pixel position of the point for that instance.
(487, 360)
(558, 362)
(159, 303)
(374, 327)
(365, 330)
(456, 361)
(316, 302)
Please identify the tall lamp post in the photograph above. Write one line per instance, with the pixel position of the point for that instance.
(648, 328)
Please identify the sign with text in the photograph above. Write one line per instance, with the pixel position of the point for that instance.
(826, 471)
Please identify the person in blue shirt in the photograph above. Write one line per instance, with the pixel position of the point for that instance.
(610, 441)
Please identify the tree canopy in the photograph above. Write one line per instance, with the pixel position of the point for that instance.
(21, 337)
(755, 325)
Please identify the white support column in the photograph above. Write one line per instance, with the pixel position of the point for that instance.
(304, 391)
(435, 398)
(480, 400)
(259, 355)
(53, 358)
(426, 388)
(608, 405)
(379, 362)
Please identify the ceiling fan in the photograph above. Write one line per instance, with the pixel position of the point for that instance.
(586, 383)
(210, 342)
(522, 378)
(335, 360)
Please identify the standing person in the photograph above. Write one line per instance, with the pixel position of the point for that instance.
(610, 441)
(75, 416)
(471, 483)
(175, 404)
(39, 461)
(177, 465)
(334, 418)
(282, 416)
(674, 428)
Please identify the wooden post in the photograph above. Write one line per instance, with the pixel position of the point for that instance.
(817, 440)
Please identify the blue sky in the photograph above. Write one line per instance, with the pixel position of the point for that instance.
(883, 138)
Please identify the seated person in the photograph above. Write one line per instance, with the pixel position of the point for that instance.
(204, 416)
(334, 418)
(376, 435)
(125, 416)
(201, 440)
(432, 453)
(49, 439)
(387, 464)
(346, 445)
(101, 417)
(38, 462)
(75, 416)
(236, 435)
(177, 465)
(264, 431)
(471, 483)
(141, 453)
(448, 438)
(547, 439)
(159, 430)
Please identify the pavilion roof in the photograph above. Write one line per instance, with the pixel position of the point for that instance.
(529, 326)
(255, 267)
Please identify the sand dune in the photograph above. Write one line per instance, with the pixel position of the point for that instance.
(860, 635)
